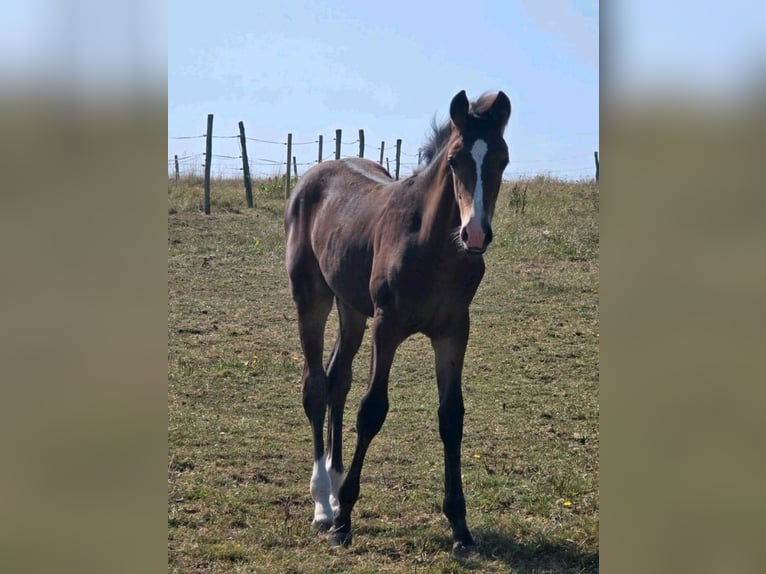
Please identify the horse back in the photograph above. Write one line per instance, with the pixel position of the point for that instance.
(330, 224)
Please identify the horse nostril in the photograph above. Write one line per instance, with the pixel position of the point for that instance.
(464, 234)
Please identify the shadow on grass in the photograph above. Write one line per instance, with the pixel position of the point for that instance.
(493, 545)
(533, 556)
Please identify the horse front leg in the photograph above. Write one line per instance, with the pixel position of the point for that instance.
(370, 418)
(339, 373)
(449, 352)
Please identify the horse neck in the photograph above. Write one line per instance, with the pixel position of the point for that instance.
(440, 211)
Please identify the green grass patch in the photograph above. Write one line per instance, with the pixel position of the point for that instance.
(239, 447)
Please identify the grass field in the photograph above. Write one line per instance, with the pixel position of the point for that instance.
(239, 447)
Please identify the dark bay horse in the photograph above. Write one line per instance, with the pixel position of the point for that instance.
(408, 254)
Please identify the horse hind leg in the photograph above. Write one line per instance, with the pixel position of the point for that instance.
(313, 300)
(339, 374)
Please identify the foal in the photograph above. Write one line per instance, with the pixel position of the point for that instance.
(409, 255)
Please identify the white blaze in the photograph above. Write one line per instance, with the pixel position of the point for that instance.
(478, 151)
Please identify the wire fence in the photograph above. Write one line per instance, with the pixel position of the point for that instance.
(265, 160)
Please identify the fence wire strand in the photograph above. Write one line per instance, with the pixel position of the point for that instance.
(192, 159)
(266, 141)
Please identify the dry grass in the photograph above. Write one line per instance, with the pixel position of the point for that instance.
(239, 444)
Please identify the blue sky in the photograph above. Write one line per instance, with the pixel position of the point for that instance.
(309, 67)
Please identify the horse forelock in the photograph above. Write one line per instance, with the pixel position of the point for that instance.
(482, 104)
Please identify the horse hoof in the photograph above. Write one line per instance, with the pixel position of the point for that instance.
(319, 526)
(339, 539)
(462, 550)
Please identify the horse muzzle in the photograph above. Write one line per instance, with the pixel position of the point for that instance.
(476, 237)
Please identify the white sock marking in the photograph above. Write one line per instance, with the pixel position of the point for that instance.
(320, 489)
(336, 479)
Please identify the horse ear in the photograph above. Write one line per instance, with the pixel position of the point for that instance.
(458, 109)
(501, 108)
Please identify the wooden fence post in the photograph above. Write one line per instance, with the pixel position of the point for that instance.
(208, 160)
(388, 167)
(245, 166)
(337, 143)
(398, 156)
(176, 160)
(361, 143)
(382, 147)
(420, 155)
(319, 158)
(287, 165)
(595, 155)
(295, 167)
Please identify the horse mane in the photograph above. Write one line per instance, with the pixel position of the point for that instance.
(436, 140)
(440, 133)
